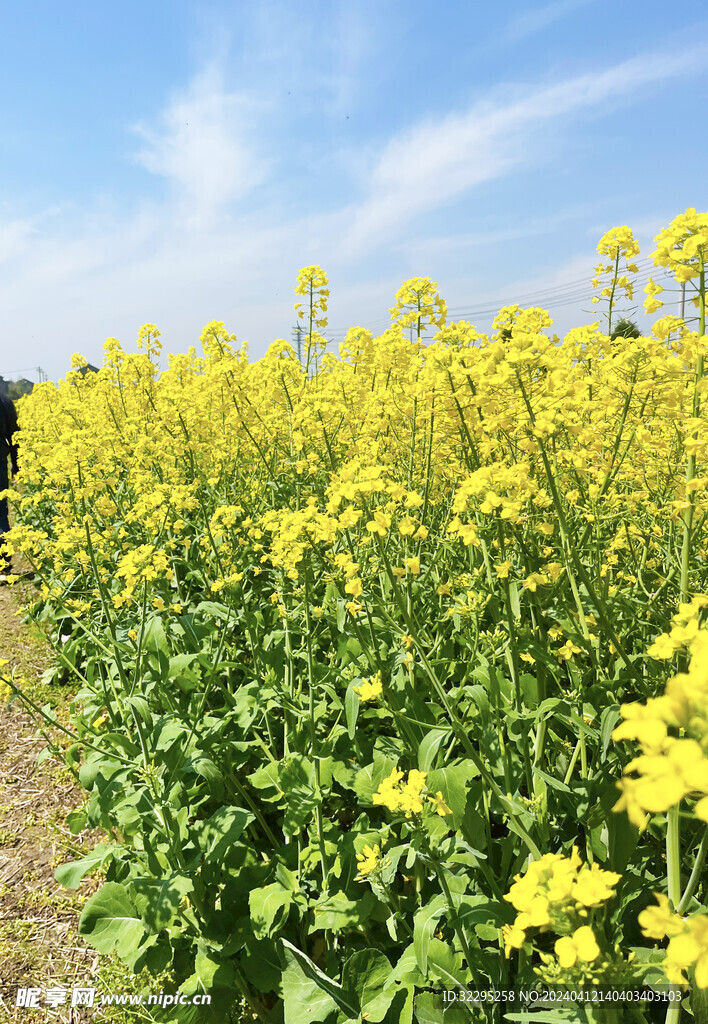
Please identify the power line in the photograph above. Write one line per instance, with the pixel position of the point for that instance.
(579, 282)
(550, 296)
(554, 296)
(41, 374)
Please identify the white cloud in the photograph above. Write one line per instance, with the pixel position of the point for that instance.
(204, 145)
(440, 159)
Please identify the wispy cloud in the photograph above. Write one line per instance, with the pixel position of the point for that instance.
(15, 237)
(205, 146)
(538, 18)
(436, 161)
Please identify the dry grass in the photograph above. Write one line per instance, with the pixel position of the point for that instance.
(39, 942)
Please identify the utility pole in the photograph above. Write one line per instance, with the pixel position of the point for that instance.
(682, 300)
(297, 338)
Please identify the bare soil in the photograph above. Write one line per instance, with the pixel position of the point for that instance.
(39, 942)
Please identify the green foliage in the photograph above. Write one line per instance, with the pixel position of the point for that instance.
(625, 329)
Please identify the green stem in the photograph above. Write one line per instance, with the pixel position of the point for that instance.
(612, 294)
(691, 467)
(573, 759)
(514, 667)
(695, 875)
(673, 855)
(313, 727)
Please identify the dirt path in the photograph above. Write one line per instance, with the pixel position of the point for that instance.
(39, 944)
(40, 947)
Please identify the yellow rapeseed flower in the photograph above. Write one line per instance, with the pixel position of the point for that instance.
(581, 945)
(370, 689)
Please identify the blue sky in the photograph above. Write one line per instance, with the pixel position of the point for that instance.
(178, 162)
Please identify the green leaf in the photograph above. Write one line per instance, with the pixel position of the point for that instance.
(141, 706)
(154, 637)
(452, 783)
(206, 768)
(77, 822)
(336, 912)
(623, 838)
(266, 778)
(429, 746)
(610, 718)
(443, 964)
(364, 979)
(70, 875)
(261, 965)
(406, 970)
(430, 1009)
(180, 663)
(169, 734)
(390, 863)
(351, 707)
(424, 924)
(213, 609)
(287, 878)
(110, 921)
(219, 832)
(478, 912)
(211, 973)
(182, 673)
(297, 779)
(552, 782)
(401, 1009)
(269, 907)
(308, 993)
(158, 899)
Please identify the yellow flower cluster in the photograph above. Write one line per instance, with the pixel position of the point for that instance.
(397, 795)
(686, 625)
(669, 768)
(418, 303)
(312, 281)
(370, 689)
(688, 941)
(143, 563)
(651, 303)
(369, 860)
(556, 893)
(581, 945)
(294, 533)
(617, 243)
(522, 324)
(683, 245)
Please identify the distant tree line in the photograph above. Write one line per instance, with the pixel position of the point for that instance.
(15, 389)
